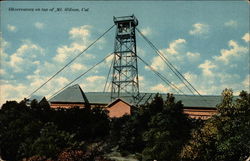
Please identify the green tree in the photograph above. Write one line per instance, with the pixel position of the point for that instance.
(226, 136)
(14, 119)
(50, 142)
(169, 129)
(87, 124)
(151, 129)
(38, 130)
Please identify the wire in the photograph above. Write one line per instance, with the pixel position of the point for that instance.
(109, 84)
(71, 61)
(162, 77)
(169, 64)
(159, 75)
(108, 73)
(80, 76)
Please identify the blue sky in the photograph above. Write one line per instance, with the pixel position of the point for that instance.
(208, 41)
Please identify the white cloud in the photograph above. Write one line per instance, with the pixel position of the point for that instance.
(3, 45)
(62, 54)
(166, 89)
(191, 77)
(235, 51)
(27, 52)
(231, 23)
(246, 37)
(95, 78)
(142, 83)
(175, 45)
(219, 72)
(176, 51)
(105, 64)
(157, 64)
(159, 88)
(206, 84)
(89, 56)
(206, 67)
(109, 59)
(50, 88)
(215, 75)
(246, 83)
(65, 51)
(62, 81)
(38, 71)
(199, 29)
(77, 67)
(36, 62)
(3, 42)
(29, 48)
(220, 81)
(15, 62)
(95, 83)
(141, 78)
(2, 72)
(146, 31)
(140, 51)
(48, 65)
(12, 92)
(11, 28)
(81, 33)
(227, 78)
(77, 46)
(193, 56)
(39, 25)
(81, 38)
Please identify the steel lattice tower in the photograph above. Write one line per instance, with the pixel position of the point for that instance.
(125, 82)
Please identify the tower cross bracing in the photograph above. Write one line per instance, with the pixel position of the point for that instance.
(125, 82)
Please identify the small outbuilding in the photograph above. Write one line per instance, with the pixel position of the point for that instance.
(118, 108)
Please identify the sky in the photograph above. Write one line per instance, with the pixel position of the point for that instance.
(207, 41)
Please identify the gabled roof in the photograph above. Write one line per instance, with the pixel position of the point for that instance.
(117, 100)
(36, 97)
(102, 98)
(39, 99)
(72, 94)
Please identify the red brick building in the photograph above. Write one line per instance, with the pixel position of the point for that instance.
(195, 106)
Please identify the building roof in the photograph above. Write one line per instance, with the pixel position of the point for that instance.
(36, 97)
(117, 100)
(187, 100)
(72, 94)
(75, 94)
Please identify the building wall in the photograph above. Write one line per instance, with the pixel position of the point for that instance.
(98, 105)
(119, 109)
(66, 105)
(200, 113)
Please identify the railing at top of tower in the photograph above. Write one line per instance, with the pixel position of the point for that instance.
(126, 18)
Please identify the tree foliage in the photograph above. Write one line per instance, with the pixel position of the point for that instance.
(39, 131)
(168, 130)
(226, 136)
(156, 131)
(151, 130)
